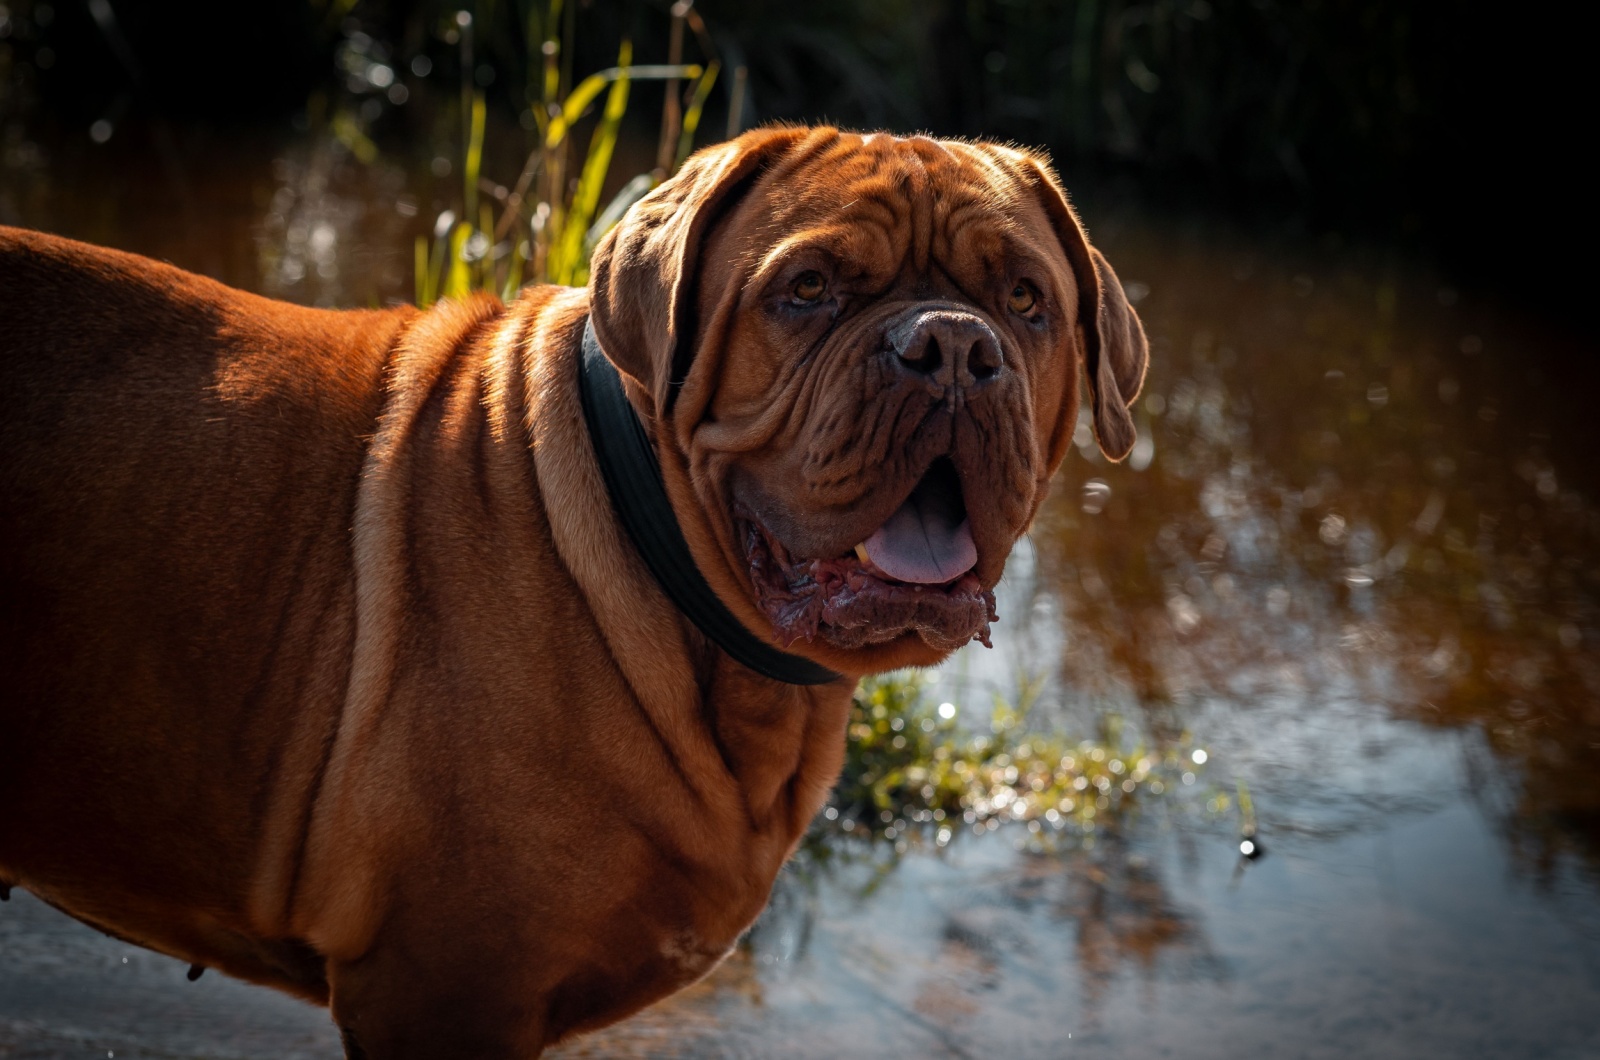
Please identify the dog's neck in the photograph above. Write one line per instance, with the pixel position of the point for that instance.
(712, 771)
(633, 478)
(781, 742)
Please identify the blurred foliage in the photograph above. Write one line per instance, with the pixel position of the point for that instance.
(917, 771)
(233, 62)
(1405, 118)
(1255, 89)
(1402, 118)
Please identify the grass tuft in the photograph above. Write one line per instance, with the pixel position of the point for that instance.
(547, 225)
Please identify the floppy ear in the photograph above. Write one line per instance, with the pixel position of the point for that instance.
(641, 279)
(1117, 378)
(1116, 353)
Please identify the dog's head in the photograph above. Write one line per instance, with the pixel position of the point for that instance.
(859, 356)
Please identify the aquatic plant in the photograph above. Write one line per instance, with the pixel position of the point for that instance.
(919, 771)
(544, 227)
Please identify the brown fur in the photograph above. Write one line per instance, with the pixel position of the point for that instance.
(328, 664)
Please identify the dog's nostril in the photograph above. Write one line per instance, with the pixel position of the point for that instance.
(925, 360)
(983, 361)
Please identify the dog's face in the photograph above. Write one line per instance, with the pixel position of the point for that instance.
(861, 357)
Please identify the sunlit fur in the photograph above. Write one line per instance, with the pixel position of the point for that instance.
(327, 662)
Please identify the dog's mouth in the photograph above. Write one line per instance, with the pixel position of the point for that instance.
(912, 574)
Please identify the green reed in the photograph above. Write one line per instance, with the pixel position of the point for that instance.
(544, 227)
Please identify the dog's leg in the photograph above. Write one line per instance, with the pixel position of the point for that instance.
(424, 996)
(488, 980)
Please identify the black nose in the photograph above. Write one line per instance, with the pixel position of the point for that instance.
(953, 347)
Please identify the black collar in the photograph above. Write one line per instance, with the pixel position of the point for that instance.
(639, 496)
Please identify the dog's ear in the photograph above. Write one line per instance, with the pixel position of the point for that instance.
(1117, 375)
(1116, 353)
(641, 279)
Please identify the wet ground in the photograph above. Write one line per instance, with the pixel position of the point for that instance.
(1355, 557)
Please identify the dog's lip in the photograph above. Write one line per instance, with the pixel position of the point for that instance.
(826, 589)
(851, 604)
(854, 559)
(860, 558)
(795, 544)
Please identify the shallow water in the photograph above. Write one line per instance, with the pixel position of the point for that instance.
(1354, 558)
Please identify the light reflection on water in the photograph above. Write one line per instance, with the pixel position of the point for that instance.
(1354, 556)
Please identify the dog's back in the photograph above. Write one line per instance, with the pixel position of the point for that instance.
(155, 597)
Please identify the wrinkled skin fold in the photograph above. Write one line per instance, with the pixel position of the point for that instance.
(330, 667)
(910, 355)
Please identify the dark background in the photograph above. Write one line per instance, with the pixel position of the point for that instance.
(1453, 129)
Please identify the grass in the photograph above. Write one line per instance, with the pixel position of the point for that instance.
(544, 227)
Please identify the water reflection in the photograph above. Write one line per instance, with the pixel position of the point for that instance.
(946, 958)
(332, 227)
(1352, 495)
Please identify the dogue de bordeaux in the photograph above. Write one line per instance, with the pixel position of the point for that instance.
(331, 659)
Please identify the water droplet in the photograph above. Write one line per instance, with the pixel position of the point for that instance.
(1095, 494)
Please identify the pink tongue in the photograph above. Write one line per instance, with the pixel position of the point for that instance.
(927, 541)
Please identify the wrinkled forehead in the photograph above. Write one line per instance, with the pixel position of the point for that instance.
(910, 200)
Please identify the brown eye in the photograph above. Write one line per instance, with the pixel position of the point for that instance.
(1022, 298)
(809, 287)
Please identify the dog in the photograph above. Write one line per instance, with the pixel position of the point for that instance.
(474, 671)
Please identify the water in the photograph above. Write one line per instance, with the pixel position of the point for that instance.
(1354, 558)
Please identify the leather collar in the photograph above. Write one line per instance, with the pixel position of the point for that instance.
(633, 478)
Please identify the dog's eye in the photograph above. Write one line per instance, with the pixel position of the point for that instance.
(809, 287)
(1022, 298)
